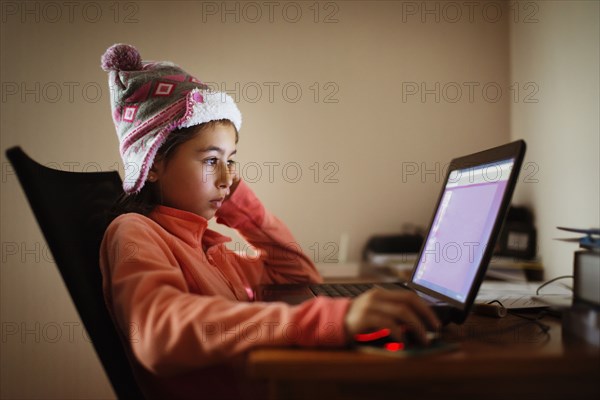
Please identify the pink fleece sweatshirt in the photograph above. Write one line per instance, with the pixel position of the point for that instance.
(183, 302)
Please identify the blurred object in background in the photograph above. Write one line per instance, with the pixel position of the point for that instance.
(394, 255)
(518, 238)
(582, 321)
(516, 250)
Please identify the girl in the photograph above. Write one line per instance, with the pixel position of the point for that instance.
(181, 300)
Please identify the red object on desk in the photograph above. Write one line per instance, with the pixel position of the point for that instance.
(394, 346)
(368, 337)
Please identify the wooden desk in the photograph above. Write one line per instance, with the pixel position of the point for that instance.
(497, 359)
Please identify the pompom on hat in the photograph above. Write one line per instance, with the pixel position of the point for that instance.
(150, 100)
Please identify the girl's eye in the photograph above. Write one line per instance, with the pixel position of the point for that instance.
(214, 161)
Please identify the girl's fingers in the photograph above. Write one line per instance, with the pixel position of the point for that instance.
(404, 318)
(411, 299)
(396, 310)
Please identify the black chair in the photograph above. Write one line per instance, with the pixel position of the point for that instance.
(72, 211)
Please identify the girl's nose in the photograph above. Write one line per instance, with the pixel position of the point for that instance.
(225, 177)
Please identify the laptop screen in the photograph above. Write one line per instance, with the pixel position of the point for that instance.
(461, 229)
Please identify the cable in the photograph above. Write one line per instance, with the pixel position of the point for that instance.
(535, 320)
(537, 292)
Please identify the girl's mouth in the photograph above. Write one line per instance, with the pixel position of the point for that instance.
(216, 203)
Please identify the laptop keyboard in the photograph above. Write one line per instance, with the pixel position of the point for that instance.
(340, 289)
(356, 289)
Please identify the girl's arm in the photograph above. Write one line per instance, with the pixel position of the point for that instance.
(280, 259)
(171, 330)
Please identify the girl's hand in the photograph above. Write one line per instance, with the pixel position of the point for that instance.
(395, 310)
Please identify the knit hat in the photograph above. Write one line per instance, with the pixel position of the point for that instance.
(149, 100)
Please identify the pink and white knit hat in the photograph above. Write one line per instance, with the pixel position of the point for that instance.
(149, 100)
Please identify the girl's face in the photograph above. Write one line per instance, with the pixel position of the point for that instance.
(199, 175)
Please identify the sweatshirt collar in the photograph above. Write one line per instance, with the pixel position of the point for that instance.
(189, 227)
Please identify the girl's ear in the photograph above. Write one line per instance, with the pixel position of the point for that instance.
(154, 172)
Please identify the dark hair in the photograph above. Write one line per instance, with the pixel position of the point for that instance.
(144, 201)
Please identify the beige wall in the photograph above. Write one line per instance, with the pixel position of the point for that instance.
(559, 55)
(363, 131)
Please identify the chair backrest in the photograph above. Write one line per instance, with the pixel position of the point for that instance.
(72, 211)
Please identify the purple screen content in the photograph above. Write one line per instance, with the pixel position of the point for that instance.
(461, 229)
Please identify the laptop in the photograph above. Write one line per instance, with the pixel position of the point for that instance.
(457, 249)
